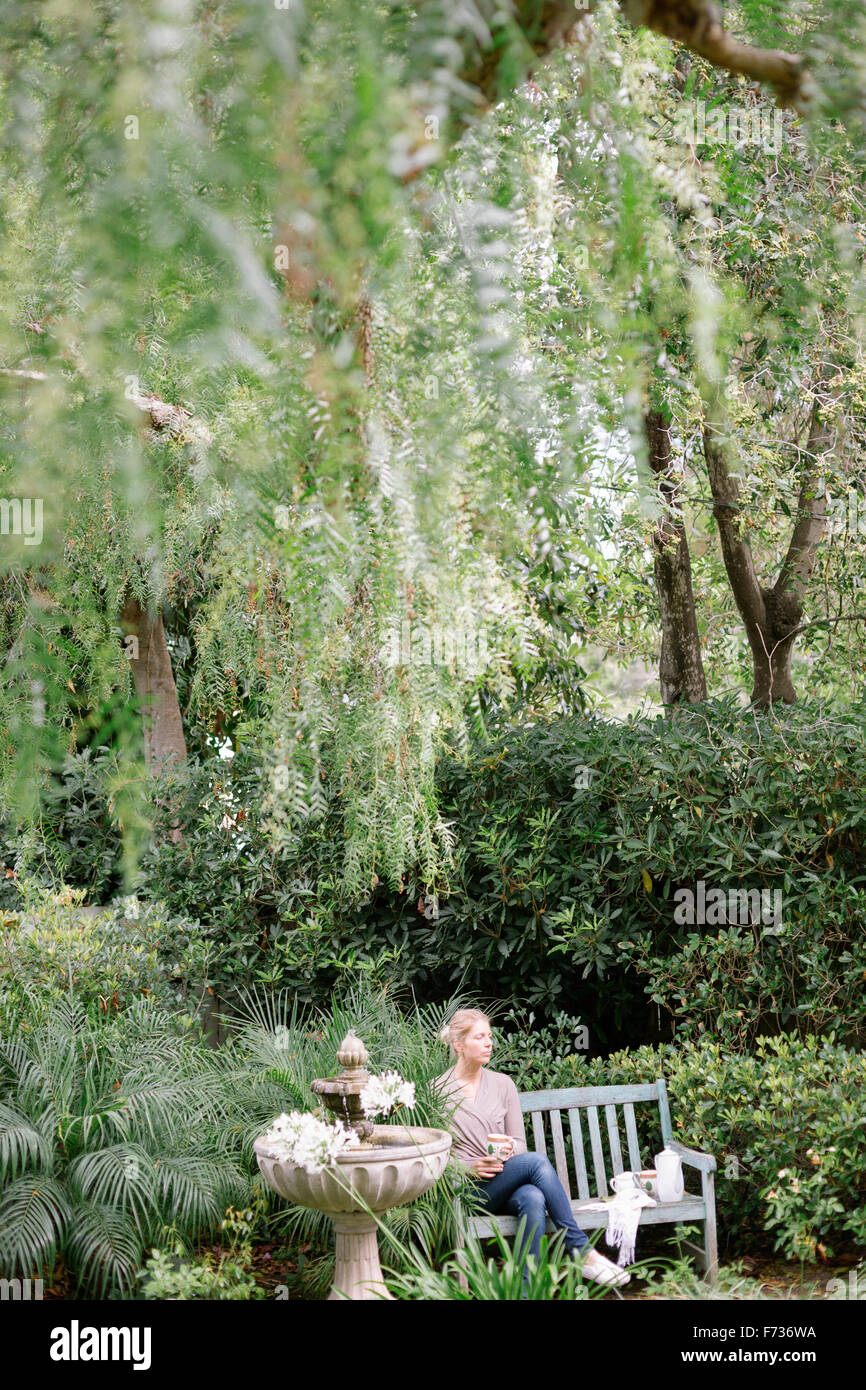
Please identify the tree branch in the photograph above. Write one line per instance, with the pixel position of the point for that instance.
(179, 422)
(695, 24)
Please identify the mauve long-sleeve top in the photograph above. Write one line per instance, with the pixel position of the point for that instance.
(495, 1110)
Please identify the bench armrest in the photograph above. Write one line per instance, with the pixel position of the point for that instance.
(705, 1163)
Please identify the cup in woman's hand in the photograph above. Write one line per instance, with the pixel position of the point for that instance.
(500, 1146)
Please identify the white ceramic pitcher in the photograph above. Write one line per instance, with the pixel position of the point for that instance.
(669, 1167)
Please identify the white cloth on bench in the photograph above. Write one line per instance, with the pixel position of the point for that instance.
(623, 1219)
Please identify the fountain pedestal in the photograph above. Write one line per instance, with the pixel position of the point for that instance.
(357, 1274)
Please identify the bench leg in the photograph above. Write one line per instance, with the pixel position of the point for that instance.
(711, 1244)
(459, 1247)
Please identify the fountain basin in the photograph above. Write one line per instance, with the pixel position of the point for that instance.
(395, 1166)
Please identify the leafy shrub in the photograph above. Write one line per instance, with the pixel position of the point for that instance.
(556, 868)
(571, 842)
(561, 894)
(283, 916)
(682, 1282)
(107, 958)
(214, 1275)
(535, 1051)
(76, 840)
(739, 983)
(112, 1132)
(786, 1124)
(173, 1278)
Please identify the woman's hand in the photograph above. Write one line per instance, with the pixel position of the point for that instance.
(491, 1164)
(487, 1167)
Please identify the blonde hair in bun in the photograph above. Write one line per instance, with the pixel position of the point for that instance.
(459, 1026)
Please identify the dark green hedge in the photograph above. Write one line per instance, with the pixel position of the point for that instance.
(562, 891)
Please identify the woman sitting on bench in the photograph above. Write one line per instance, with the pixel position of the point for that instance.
(523, 1184)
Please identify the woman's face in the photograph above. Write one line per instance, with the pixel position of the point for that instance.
(476, 1045)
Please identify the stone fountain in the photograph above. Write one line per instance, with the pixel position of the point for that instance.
(342, 1093)
(390, 1165)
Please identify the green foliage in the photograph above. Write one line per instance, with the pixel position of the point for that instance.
(76, 839)
(807, 978)
(293, 1045)
(171, 1277)
(305, 508)
(681, 1282)
(534, 1051)
(552, 881)
(408, 368)
(106, 958)
(785, 1123)
(218, 1275)
(497, 1277)
(560, 898)
(111, 1133)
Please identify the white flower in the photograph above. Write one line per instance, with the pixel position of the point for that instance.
(302, 1139)
(384, 1093)
(130, 908)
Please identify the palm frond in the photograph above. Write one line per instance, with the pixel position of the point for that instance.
(195, 1191)
(21, 1145)
(121, 1177)
(138, 1127)
(35, 1214)
(103, 1249)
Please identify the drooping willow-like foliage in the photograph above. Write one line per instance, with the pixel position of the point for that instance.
(400, 370)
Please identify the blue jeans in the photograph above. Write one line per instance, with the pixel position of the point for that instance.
(528, 1186)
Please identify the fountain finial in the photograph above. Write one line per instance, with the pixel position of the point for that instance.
(352, 1054)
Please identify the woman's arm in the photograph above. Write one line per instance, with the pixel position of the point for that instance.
(514, 1119)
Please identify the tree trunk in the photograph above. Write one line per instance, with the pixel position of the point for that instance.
(784, 602)
(681, 667)
(164, 742)
(771, 617)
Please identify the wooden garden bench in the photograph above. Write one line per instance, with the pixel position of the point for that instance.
(578, 1108)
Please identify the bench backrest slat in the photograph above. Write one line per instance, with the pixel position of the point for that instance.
(538, 1132)
(664, 1111)
(617, 1164)
(559, 1150)
(631, 1135)
(597, 1151)
(588, 1095)
(579, 1159)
